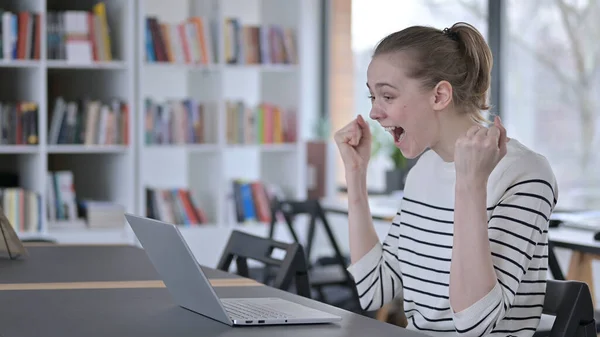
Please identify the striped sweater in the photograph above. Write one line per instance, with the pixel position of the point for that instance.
(414, 259)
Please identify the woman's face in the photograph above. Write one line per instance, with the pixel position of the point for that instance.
(401, 105)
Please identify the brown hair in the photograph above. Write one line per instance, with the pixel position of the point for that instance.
(458, 55)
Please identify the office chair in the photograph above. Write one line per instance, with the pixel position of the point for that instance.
(571, 303)
(331, 271)
(558, 274)
(291, 270)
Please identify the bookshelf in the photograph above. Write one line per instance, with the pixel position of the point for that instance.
(38, 69)
(259, 82)
(208, 88)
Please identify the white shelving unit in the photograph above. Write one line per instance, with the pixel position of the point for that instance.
(100, 172)
(121, 173)
(208, 169)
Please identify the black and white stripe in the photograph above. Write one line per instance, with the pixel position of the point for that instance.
(414, 260)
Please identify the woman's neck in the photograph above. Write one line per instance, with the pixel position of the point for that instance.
(450, 129)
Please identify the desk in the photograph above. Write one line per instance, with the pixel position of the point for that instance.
(382, 207)
(145, 312)
(585, 250)
(581, 241)
(383, 210)
(574, 238)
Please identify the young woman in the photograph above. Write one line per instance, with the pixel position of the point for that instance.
(467, 250)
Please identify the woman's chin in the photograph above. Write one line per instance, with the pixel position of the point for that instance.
(409, 152)
(410, 155)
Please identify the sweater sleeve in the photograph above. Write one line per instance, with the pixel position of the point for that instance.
(377, 274)
(517, 224)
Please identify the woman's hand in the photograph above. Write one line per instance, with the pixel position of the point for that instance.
(477, 153)
(354, 144)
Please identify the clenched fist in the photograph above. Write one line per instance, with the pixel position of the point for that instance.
(477, 153)
(354, 144)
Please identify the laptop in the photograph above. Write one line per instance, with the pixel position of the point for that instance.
(190, 288)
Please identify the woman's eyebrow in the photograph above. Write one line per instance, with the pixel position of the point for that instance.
(382, 84)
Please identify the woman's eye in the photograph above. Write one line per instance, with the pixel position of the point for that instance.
(387, 98)
(371, 97)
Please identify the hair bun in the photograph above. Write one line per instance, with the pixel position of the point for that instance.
(450, 33)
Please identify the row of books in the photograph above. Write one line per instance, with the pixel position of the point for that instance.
(259, 44)
(191, 41)
(22, 209)
(89, 122)
(175, 206)
(79, 36)
(66, 210)
(19, 35)
(19, 123)
(175, 122)
(194, 41)
(262, 124)
(250, 201)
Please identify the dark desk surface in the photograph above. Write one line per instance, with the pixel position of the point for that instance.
(76, 263)
(145, 312)
(82, 263)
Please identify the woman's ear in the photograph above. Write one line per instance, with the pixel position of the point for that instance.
(442, 95)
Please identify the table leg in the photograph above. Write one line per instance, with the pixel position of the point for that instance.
(580, 269)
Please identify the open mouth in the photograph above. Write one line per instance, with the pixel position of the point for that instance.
(396, 131)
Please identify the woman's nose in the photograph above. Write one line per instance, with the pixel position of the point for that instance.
(376, 113)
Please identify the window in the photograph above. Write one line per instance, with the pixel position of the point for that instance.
(551, 85)
(372, 20)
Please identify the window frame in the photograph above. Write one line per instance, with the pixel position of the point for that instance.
(496, 18)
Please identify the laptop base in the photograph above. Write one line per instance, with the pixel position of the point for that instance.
(273, 311)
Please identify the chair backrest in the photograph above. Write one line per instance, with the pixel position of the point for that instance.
(553, 263)
(289, 209)
(571, 303)
(311, 207)
(292, 267)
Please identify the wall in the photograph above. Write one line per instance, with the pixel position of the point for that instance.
(341, 72)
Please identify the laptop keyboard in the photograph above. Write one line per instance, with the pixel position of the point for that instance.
(248, 310)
